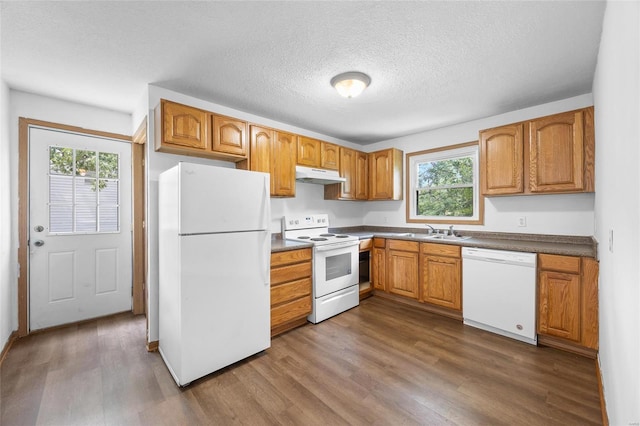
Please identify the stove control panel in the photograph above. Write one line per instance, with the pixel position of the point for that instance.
(305, 221)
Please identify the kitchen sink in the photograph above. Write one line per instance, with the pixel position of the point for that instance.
(433, 236)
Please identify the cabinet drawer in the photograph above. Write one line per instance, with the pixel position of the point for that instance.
(366, 244)
(379, 242)
(290, 291)
(291, 256)
(293, 272)
(441, 249)
(412, 246)
(555, 262)
(290, 311)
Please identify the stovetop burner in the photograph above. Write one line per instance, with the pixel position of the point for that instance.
(304, 237)
(327, 235)
(319, 239)
(342, 236)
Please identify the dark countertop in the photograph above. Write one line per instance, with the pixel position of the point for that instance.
(278, 244)
(534, 243)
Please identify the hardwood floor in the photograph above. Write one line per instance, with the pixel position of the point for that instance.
(380, 363)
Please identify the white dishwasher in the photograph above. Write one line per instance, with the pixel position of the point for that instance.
(499, 292)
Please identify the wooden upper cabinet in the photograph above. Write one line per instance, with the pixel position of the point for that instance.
(329, 157)
(385, 175)
(284, 150)
(309, 153)
(502, 160)
(361, 188)
(260, 142)
(186, 130)
(551, 154)
(348, 171)
(183, 126)
(557, 153)
(229, 135)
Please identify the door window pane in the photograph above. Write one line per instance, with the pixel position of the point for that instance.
(79, 201)
(60, 161)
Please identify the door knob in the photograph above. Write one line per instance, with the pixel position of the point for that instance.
(39, 228)
(39, 243)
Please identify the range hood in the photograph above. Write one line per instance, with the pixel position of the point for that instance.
(319, 176)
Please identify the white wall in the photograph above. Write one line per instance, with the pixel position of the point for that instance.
(8, 258)
(568, 214)
(616, 92)
(309, 197)
(38, 107)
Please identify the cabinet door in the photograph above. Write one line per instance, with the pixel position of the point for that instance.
(184, 126)
(501, 160)
(283, 164)
(348, 171)
(378, 270)
(559, 305)
(441, 281)
(556, 153)
(362, 176)
(329, 157)
(229, 135)
(308, 152)
(403, 273)
(261, 140)
(385, 175)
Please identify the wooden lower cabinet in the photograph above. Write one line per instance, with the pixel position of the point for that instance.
(568, 299)
(378, 264)
(290, 289)
(402, 263)
(441, 275)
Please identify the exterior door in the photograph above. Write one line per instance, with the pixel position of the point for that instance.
(79, 227)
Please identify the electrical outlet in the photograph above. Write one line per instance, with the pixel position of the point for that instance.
(522, 221)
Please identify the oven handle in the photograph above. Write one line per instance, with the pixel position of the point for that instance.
(331, 247)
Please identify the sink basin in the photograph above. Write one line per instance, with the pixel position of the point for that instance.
(433, 236)
(448, 237)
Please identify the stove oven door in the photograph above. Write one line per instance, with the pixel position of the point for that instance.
(335, 267)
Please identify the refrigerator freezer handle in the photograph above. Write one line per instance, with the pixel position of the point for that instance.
(266, 199)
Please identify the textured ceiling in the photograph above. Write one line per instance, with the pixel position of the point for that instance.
(431, 63)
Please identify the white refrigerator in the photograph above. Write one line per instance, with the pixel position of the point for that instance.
(214, 259)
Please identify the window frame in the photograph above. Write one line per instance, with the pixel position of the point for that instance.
(443, 153)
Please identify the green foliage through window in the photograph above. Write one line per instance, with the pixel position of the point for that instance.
(445, 187)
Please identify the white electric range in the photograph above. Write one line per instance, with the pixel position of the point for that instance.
(335, 264)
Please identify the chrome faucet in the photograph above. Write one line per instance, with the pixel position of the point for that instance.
(432, 230)
(451, 232)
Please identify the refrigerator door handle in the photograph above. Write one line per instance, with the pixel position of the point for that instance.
(266, 258)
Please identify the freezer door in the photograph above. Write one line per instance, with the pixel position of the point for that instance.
(219, 199)
(225, 300)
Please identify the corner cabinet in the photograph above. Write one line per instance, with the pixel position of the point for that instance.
(185, 130)
(441, 275)
(385, 175)
(553, 154)
(274, 152)
(568, 301)
(290, 289)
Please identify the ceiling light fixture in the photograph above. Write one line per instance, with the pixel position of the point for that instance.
(350, 84)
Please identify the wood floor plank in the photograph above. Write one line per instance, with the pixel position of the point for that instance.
(380, 363)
